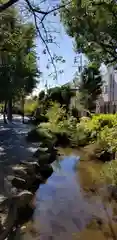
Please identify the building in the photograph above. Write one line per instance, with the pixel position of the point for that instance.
(107, 102)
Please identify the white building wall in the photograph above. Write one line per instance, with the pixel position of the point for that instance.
(109, 90)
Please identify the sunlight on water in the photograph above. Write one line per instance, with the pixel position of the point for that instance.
(62, 209)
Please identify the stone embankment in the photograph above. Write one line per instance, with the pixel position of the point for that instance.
(25, 180)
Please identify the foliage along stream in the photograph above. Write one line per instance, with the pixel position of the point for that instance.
(66, 210)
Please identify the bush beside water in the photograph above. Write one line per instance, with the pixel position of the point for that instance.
(65, 129)
(98, 134)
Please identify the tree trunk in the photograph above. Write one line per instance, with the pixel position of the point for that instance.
(9, 111)
(22, 109)
(4, 112)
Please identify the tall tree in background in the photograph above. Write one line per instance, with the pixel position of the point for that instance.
(61, 95)
(18, 69)
(93, 24)
(90, 87)
(43, 14)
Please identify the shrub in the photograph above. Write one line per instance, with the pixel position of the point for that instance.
(100, 121)
(107, 139)
(94, 126)
(98, 129)
(109, 172)
(30, 107)
(55, 113)
(41, 135)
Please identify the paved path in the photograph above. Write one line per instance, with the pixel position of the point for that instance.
(13, 147)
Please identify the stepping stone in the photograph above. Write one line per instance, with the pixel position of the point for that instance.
(40, 151)
(47, 158)
(20, 171)
(24, 198)
(18, 183)
(18, 167)
(43, 149)
(2, 199)
(31, 167)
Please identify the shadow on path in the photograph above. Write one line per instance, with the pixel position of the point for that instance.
(13, 147)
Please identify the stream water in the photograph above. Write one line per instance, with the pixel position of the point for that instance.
(64, 210)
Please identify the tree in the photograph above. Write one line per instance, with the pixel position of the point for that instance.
(18, 69)
(42, 15)
(93, 24)
(61, 95)
(41, 96)
(90, 87)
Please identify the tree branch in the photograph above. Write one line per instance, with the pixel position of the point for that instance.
(41, 37)
(40, 14)
(7, 5)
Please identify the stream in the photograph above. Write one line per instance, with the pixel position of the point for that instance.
(65, 211)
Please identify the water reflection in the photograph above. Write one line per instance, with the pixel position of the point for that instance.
(63, 211)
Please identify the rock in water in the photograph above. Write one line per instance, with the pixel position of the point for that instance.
(46, 171)
(25, 206)
(34, 185)
(24, 198)
(44, 159)
(40, 151)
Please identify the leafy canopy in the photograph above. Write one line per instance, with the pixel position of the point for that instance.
(93, 24)
(90, 87)
(18, 68)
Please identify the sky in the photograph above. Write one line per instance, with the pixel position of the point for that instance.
(65, 49)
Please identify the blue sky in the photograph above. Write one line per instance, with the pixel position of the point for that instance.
(65, 50)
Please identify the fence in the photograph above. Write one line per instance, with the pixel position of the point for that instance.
(108, 107)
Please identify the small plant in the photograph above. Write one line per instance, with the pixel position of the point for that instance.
(30, 107)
